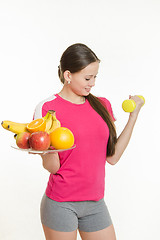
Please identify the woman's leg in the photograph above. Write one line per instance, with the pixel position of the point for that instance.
(51, 234)
(58, 220)
(104, 234)
(96, 223)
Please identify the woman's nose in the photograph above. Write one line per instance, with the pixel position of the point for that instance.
(92, 82)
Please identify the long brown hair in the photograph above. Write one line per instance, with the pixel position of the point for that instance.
(74, 59)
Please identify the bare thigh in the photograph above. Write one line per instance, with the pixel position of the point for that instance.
(51, 234)
(107, 234)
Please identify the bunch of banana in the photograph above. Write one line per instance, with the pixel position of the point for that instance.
(51, 124)
(51, 121)
(14, 126)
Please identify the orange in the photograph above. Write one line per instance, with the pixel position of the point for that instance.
(37, 125)
(62, 138)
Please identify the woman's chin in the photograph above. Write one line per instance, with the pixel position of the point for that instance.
(86, 93)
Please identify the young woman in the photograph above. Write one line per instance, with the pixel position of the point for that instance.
(74, 197)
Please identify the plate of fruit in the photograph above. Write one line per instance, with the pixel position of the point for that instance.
(49, 150)
(43, 135)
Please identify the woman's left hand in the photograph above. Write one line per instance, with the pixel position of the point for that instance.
(139, 103)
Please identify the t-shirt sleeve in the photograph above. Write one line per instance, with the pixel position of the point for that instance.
(107, 104)
(40, 111)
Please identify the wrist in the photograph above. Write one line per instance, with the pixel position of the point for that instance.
(133, 117)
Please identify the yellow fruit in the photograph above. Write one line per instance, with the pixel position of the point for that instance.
(62, 138)
(37, 125)
(14, 126)
(49, 121)
(55, 122)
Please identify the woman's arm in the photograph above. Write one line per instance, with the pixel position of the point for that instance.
(125, 136)
(51, 162)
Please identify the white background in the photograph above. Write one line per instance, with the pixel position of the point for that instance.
(125, 36)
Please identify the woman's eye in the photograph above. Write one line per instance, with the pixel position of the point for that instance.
(87, 79)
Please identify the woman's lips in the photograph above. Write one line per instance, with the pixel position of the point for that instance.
(88, 89)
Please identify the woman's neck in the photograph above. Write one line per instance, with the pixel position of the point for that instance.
(68, 95)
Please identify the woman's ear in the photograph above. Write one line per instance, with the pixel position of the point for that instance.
(67, 75)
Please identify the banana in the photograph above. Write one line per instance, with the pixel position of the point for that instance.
(51, 123)
(55, 122)
(46, 116)
(22, 127)
(48, 121)
(15, 136)
(14, 126)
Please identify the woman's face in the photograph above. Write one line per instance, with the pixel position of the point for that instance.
(82, 81)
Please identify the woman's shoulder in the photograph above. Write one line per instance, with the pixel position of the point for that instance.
(43, 106)
(105, 101)
(108, 105)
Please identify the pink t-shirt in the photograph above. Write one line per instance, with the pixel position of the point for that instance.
(81, 175)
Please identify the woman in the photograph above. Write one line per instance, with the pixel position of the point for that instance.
(75, 191)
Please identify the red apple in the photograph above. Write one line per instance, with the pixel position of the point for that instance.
(22, 140)
(39, 141)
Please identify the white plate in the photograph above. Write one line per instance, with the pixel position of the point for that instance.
(30, 150)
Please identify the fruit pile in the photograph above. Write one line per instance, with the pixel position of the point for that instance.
(41, 134)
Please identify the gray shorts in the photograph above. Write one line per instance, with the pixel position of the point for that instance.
(87, 216)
